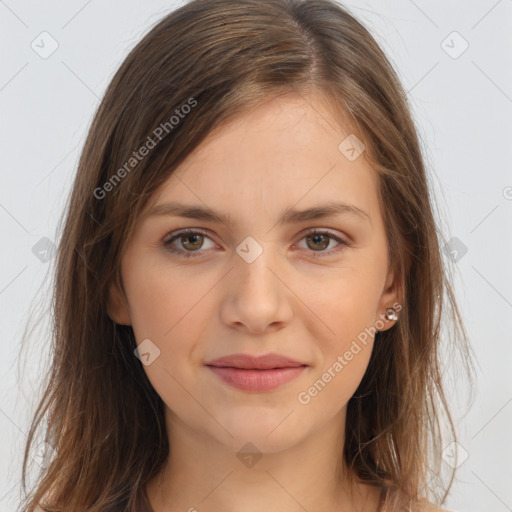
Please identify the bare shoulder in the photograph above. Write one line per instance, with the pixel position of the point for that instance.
(423, 506)
(427, 506)
(393, 500)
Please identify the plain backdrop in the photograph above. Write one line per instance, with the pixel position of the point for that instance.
(454, 59)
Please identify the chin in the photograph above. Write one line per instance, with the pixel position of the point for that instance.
(270, 432)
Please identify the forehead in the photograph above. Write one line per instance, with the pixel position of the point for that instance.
(285, 151)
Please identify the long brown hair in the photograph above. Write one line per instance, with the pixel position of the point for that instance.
(202, 64)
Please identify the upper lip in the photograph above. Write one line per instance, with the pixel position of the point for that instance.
(247, 362)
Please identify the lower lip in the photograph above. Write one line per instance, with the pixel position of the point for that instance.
(257, 380)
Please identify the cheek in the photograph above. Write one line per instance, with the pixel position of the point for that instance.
(330, 390)
(160, 298)
(150, 305)
(346, 302)
(345, 341)
(166, 308)
(165, 317)
(347, 307)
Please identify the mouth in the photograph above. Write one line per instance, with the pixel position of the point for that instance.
(256, 374)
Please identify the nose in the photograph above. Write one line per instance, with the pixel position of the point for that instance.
(256, 297)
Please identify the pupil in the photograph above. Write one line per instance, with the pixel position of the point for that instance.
(315, 238)
(188, 237)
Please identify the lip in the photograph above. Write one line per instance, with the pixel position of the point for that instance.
(248, 362)
(250, 373)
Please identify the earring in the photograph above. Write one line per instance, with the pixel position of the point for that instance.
(390, 314)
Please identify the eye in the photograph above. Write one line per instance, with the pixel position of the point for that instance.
(193, 241)
(318, 240)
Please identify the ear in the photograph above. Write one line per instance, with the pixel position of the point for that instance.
(117, 308)
(392, 298)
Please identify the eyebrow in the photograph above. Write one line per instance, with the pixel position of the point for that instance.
(290, 216)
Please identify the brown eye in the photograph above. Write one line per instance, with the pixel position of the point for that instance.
(318, 241)
(191, 241)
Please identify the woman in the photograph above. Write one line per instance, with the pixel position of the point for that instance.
(249, 285)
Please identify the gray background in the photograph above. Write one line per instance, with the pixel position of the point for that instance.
(462, 102)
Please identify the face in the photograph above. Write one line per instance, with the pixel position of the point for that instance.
(309, 288)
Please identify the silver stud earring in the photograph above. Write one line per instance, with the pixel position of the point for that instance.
(390, 314)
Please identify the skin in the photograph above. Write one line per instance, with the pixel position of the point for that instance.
(282, 154)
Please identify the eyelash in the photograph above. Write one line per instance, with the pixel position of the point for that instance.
(192, 254)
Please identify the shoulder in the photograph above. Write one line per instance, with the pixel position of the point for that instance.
(394, 500)
(419, 506)
(427, 506)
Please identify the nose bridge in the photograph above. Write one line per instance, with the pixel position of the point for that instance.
(256, 258)
(255, 295)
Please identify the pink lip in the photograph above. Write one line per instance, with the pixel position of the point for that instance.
(256, 373)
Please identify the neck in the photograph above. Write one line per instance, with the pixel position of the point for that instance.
(203, 474)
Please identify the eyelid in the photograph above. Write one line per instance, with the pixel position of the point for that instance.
(185, 231)
(343, 241)
(173, 235)
(334, 234)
